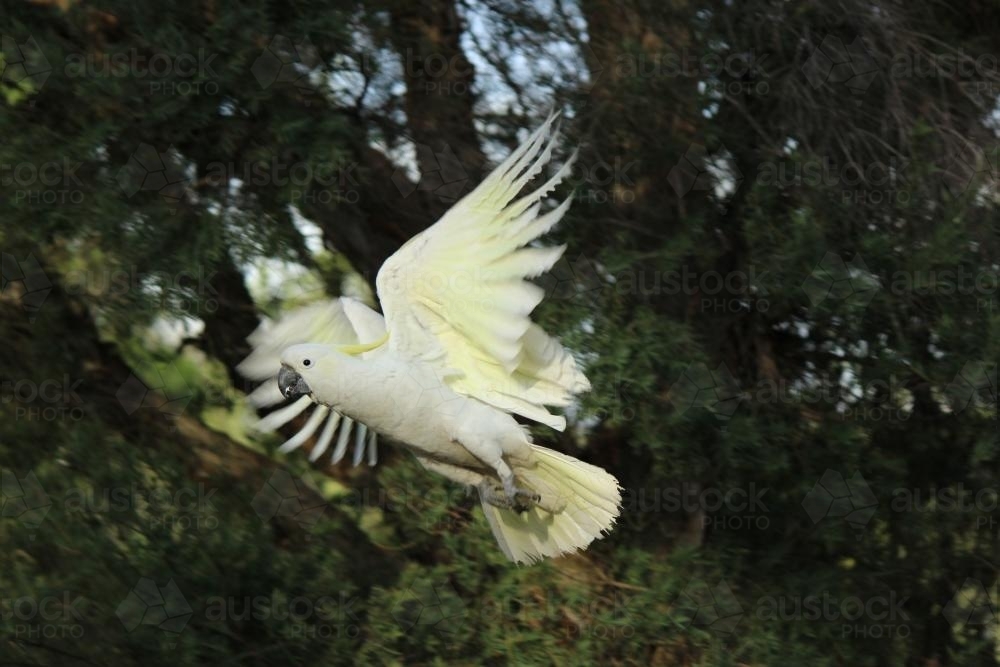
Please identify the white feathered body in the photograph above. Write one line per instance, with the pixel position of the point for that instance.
(454, 358)
(409, 402)
(467, 440)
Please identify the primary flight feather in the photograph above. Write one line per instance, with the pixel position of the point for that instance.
(455, 357)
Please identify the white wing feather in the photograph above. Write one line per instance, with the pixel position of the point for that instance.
(458, 292)
(343, 321)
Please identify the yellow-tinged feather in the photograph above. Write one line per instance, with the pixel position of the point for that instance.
(459, 292)
(359, 348)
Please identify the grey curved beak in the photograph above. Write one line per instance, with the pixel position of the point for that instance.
(291, 384)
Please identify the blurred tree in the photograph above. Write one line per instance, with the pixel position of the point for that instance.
(781, 273)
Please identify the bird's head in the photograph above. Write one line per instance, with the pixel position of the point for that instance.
(300, 364)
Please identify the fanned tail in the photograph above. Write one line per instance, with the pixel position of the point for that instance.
(579, 503)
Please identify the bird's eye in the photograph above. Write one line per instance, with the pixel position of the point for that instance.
(307, 362)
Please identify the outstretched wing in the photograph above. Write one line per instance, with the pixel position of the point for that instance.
(343, 321)
(458, 293)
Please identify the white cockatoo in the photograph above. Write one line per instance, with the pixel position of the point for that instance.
(454, 358)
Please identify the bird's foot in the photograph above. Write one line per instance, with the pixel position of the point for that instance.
(521, 500)
(508, 497)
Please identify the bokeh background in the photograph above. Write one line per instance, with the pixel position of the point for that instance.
(781, 277)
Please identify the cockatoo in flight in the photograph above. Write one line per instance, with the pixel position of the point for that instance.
(455, 356)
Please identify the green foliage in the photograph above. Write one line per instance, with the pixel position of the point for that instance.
(725, 408)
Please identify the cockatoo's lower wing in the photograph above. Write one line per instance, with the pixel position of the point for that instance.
(459, 294)
(341, 322)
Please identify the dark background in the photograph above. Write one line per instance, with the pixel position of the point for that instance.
(781, 277)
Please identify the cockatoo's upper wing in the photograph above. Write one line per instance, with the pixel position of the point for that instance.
(341, 322)
(458, 292)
